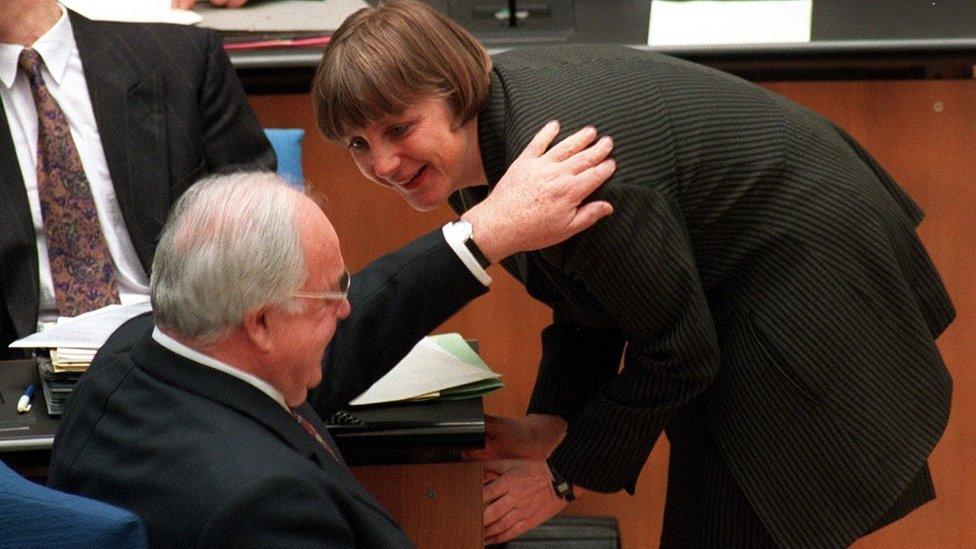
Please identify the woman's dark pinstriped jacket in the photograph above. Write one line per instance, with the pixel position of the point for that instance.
(757, 257)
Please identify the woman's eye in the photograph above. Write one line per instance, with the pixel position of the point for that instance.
(357, 144)
(399, 130)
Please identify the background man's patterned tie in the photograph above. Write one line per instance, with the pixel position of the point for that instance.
(81, 267)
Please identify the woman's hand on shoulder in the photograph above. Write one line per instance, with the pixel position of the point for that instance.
(539, 201)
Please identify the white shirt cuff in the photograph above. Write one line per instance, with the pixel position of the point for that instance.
(455, 239)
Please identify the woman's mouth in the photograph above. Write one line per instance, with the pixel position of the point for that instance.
(416, 180)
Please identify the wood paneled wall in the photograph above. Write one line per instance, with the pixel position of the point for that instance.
(923, 132)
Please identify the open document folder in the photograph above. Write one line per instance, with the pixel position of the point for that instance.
(442, 366)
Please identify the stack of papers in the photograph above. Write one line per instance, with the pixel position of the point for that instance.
(442, 366)
(66, 359)
(88, 331)
(56, 385)
(65, 350)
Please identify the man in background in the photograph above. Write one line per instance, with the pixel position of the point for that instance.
(103, 127)
(188, 4)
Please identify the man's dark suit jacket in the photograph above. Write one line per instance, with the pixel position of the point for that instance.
(208, 460)
(169, 109)
(758, 263)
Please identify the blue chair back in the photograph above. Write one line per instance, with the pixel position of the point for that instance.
(32, 515)
(287, 145)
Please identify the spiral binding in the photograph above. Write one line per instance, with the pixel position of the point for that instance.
(343, 417)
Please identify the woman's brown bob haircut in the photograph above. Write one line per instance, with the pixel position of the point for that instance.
(383, 59)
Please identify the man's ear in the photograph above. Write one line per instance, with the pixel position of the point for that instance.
(257, 328)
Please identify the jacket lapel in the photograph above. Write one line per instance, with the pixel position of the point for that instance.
(234, 393)
(128, 101)
(18, 243)
(231, 392)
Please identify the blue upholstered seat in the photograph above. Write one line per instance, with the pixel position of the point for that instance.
(32, 515)
(287, 144)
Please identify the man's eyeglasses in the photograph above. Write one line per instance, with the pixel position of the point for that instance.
(343, 292)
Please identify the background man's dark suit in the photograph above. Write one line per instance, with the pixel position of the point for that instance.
(778, 310)
(169, 110)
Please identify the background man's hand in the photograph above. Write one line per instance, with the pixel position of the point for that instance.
(188, 4)
(537, 203)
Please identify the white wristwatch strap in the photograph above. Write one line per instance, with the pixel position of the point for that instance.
(455, 233)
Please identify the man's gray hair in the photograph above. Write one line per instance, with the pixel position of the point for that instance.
(231, 244)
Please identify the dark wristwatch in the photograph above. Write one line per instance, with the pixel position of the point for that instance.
(467, 232)
(560, 485)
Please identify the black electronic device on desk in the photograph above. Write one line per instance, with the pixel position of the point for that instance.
(409, 432)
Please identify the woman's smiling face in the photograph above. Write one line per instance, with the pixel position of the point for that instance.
(419, 153)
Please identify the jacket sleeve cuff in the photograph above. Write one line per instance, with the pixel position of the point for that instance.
(456, 241)
(605, 450)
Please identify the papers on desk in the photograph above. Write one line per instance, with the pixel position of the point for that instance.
(138, 11)
(442, 366)
(65, 350)
(280, 16)
(86, 331)
(66, 359)
(704, 22)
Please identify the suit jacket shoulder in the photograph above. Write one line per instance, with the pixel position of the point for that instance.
(203, 457)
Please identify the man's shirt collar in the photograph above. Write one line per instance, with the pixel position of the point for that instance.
(206, 360)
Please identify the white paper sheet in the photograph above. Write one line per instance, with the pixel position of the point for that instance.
(426, 369)
(138, 11)
(707, 22)
(280, 15)
(87, 331)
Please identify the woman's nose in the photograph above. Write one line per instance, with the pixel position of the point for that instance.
(385, 162)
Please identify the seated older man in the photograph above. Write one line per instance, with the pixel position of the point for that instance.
(199, 424)
(197, 419)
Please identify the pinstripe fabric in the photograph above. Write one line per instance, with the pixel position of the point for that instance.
(759, 261)
(705, 505)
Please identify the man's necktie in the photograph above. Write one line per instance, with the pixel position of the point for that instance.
(81, 267)
(311, 430)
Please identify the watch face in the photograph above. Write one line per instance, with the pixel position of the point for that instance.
(560, 485)
(565, 490)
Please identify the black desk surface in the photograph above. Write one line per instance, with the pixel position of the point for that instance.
(425, 432)
(895, 39)
(33, 430)
(291, 71)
